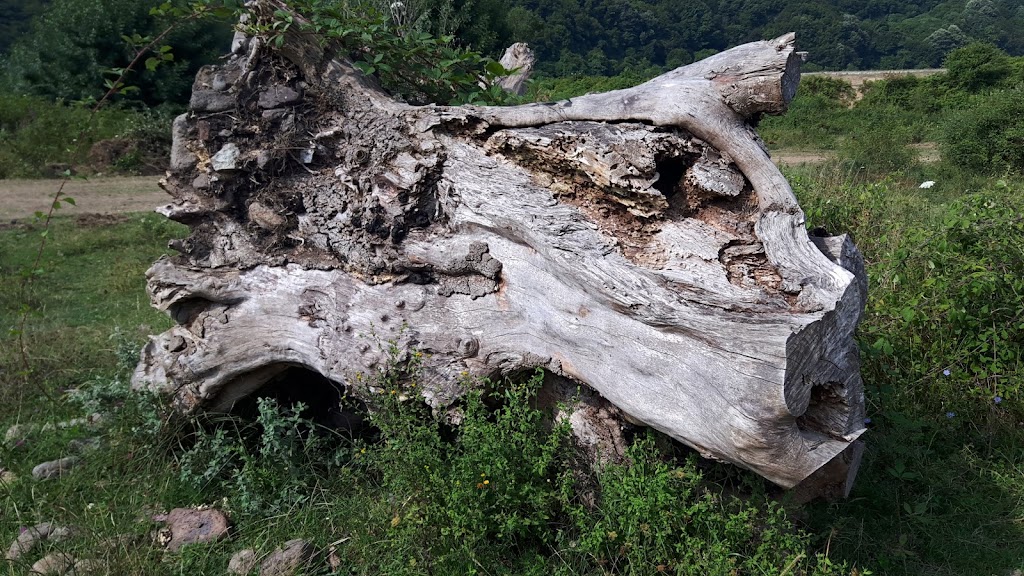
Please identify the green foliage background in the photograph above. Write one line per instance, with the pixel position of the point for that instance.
(70, 45)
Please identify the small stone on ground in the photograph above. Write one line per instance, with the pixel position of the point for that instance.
(55, 468)
(89, 567)
(189, 526)
(17, 433)
(56, 564)
(80, 445)
(242, 562)
(288, 559)
(32, 535)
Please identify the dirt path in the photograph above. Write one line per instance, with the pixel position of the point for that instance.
(22, 198)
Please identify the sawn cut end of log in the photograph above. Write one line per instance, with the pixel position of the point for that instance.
(639, 242)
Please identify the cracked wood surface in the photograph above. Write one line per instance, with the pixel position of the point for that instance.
(639, 242)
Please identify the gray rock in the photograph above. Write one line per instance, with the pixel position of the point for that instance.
(91, 421)
(277, 96)
(189, 526)
(89, 567)
(289, 559)
(201, 182)
(219, 83)
(242, 562)
(239, 43)
(7, 477)
(56, 564)
(19, 432)
(264, 157)
(181, 157)
(211, 101)
(227, 158)
(80, 445)
(275, 113)
(33, 535)
(55, 468)
(264, 217)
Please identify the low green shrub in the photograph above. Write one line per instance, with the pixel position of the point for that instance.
(486, 497)
(978, 66)
(941, 344)
(502, 492)
(811, 122)
(657, 516)
(958, 316)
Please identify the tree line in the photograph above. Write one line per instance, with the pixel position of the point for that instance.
(60, 49)
(608, 37)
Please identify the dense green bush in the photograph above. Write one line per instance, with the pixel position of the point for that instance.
(41, 138)
(962, 281)
(411, 63)
(987, 136)
(978, 66)
(946, 285)
(658, 516)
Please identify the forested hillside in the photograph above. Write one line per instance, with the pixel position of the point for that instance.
(15, 15)
(71, 46)
(605, 37)
(571, 37)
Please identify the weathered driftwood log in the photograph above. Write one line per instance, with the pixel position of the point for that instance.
(639, 242)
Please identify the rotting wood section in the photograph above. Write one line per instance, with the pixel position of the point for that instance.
(639, 242)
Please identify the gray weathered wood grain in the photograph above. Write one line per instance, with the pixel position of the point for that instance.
(639, 242)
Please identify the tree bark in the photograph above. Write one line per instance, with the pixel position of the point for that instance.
(639, 242)
(520, 60)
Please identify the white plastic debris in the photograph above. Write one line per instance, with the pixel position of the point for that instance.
(927, 184)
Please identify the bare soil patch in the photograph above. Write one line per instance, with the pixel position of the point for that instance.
(859, 77)
(800, 157)
(107, 195)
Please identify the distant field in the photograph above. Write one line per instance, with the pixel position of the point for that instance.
(859, 77)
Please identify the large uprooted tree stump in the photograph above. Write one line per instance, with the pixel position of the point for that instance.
(639, 242)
